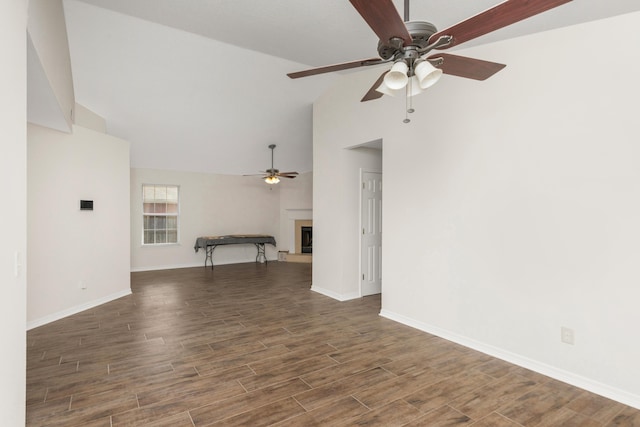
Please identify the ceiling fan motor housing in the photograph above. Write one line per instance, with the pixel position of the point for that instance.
(420, 32)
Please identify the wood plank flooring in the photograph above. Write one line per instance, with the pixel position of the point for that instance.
(251, 345)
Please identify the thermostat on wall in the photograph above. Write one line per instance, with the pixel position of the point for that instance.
(86, 205)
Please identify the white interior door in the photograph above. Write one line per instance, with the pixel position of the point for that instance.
(371, 237)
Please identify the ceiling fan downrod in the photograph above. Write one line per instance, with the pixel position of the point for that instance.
(272, 171)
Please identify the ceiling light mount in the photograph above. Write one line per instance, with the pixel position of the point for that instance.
(420, 32)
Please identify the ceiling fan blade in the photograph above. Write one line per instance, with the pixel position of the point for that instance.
(501, 15)
(470, 68)
(373, 93)
(335, 67)
(287, 176)
(287, 173)
(383, 18)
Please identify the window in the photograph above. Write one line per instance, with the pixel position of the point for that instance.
(160, 211)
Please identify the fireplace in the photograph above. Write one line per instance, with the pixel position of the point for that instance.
(303, 237)
(306, 239)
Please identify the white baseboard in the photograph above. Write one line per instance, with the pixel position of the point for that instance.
(588, 384)
(200, 264)
(335, 295)
(167, 267)
(77, 309)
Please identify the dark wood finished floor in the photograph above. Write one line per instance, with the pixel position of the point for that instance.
(251, 345)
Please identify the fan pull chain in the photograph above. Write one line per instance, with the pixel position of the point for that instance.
(408, 103)
(406, 113)
(410, 98)
(406, 117)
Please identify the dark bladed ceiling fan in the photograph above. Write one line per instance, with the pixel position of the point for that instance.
(407, 44)
(272, 176)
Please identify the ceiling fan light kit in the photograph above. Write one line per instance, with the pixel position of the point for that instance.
(272, 179)
(406, 44)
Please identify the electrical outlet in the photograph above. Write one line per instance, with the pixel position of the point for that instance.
(567, 336)
(82, 285)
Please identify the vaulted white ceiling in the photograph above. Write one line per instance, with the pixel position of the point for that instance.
(201, 85)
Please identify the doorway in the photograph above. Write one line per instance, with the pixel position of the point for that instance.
(371, 236)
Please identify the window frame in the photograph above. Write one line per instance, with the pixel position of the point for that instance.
(164, 214)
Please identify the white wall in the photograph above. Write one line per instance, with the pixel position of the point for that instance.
(88, 119)
(13, 173)
(210, 204)
(336, 201)
(68, 247)
(295, 194)
(510, 205)
(48, 36)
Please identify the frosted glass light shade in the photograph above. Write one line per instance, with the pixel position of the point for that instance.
(397, 78)
(384, 89)
(272, 179)
(427, 74)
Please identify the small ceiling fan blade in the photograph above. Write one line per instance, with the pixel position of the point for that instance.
(335, 67)
(383, 18)
(287, 176)
(501, 15)
(373, 93)
(470, 68)
(287, 173)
